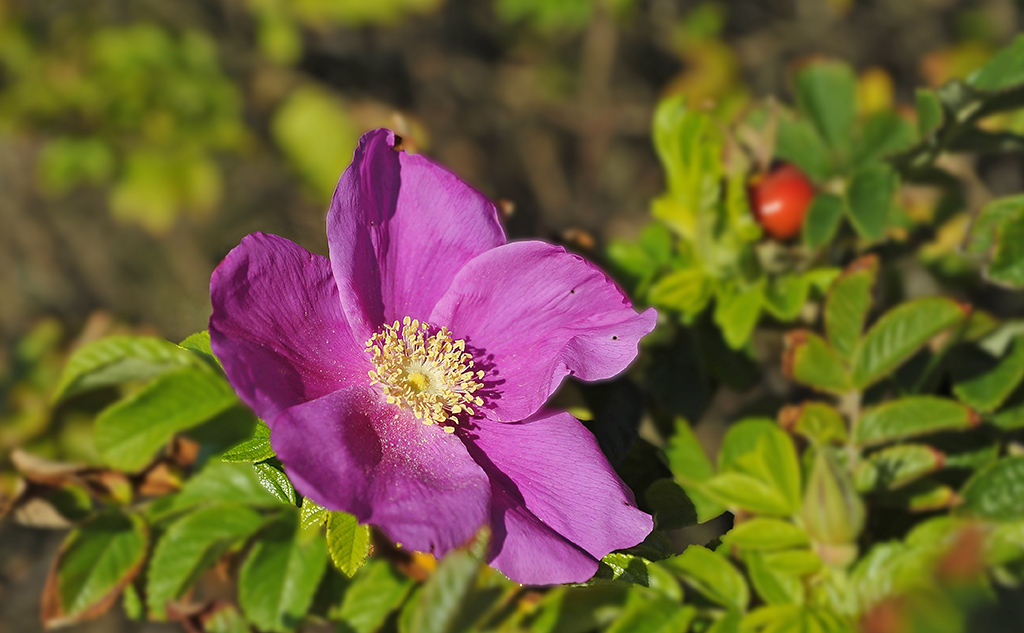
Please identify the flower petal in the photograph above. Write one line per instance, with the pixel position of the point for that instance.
(278, 328)
(557, 505)
(542, 313)
(399, 229)
(352, 451)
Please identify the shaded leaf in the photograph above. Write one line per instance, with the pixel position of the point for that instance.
(822, 221)
(799, 143)
(255, 449)
(896, 466)
(868, 198)
(772, 586)
(687, 290)
(929, 111)
(1007, 265)
(690, 466)
(827, 94)
(376, 591)
(737, 311)
(785, 296)
(436, 609)
(989, 220)
(1004, 70)
(988, 391)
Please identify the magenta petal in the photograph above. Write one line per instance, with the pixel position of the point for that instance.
(558, 506)
(400, 228)
(353, 452)
(542, 313)
(278, 328)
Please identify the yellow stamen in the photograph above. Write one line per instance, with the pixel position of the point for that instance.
(431, 375)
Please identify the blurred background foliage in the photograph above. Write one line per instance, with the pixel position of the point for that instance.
(140, 140)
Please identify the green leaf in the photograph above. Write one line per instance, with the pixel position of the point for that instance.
(737, 311)
(929, 111)
(773, 587)
(910, 417)
(899, 334)
(711, 575)
(199, 342)
(376, 591)
(671, 506)
(653, 614)
(896, 466)
(786, 295)
(347, 542)
(761, 533)
(988, 391)
(276, 482)
(117, 359)
(924, 495)
(817, 421)
(437, 607)
(690, 466)
(799, 143)
(739, 491)
(312, 515)
(687, 291)
(883, 133)
(191, 545)
(689, 147)
(833, 512)
(96, 561)
(808, 359)
(221, 482)
(798, 562)
(848, 303)
(822, 221)
(995, 492)
(255, 449)
(760, 449)
(989, 220)
(868, 198)
(1010, 419)
(279, 577)
(1007, 265)
(130, 432)
(1004, 70)
(827, 93)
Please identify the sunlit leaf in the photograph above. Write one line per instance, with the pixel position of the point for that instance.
(910, 417)
(711, 575)
(347, 542)
(809, 360)
(847, 305)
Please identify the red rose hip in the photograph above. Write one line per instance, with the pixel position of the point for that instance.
(780, 199)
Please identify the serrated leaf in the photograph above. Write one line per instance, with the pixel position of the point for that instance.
(279, 577)
(737, 311)
(226, 482)
(275, 482)
(848, 303)
(817, 421)
(312, 515)
(868, 198)
(822, 221)
(255, 449)
(827, 94)
(200, 343)
(910, 417)
(96, 561)
(191, 545)
(347, 542)
(899, 334)
(118, 359)
(897, 466)
(762, 533)
(376, 591)
(995, 492)
(711, 575)
(1004, 70)
(437, 607)
(1007, 266)
(809, 360)
(130, 432)
(987, 392)
(690, 466)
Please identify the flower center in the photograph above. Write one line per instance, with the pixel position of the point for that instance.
(425, 371)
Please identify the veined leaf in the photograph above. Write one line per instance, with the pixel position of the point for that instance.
(899, 334)
(995, 492)
(848, 303)
(131, 431)
(911, 417)
(711, 575)
(737, 311)
(276, 482)
(96, 561)
(687, 291)
(988, 391)
(992, 216)
(785, 296)
(279, 577)
(739, 491)
(896, 466)
(811, 361)
(255, 449)
(347, 542)
(760, 449)
(1007, 265)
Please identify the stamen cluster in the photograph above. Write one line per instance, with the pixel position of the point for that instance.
(425, 371)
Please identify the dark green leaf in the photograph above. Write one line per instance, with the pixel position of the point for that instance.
(95, 563)
(436, 609)
(255, 449)
(1007, 265)
(929, 111)
(130, 432)
(1010, 419)
(1004, 70)
(690, 467)
(899, 334)
(118, 359)
(377, 589)
(884, 133)
(848, 303)
(896, 466)
(799, 143)
(912, 416)
(868, 198)
(786, 295)
(996, 491)
(347, 541)
(711, 575)
(276, 482)
(279, 577)
(822, 221)
(762, 533)
(670, 505)
(827, 93)
(988, 391)
(192, 544)
(992, 216)
(810, 360)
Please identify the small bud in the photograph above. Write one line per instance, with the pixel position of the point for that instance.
(833, 512)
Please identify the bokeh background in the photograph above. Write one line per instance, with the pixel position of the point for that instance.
(140, 140)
